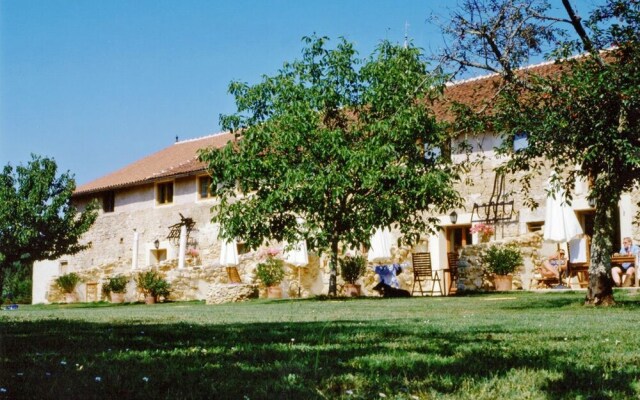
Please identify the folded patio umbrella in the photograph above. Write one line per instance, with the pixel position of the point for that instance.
(380, 246)
(560, 222)
(299, 257)
(229, 253)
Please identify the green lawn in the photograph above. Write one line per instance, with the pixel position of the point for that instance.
(508, 345)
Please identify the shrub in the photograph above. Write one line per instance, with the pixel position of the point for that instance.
(352, 268)
(502, 260)
(271, 271)
(116, 284)
(151, 283)
(67, 282)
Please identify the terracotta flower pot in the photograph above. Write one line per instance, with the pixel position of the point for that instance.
(149, 299)
(70, 298)
(503, 282)
(274, 292)
(117, 297)
(351, 290)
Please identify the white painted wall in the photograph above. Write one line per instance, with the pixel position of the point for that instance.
(43, 273)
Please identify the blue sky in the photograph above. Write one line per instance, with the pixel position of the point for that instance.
(98, 84)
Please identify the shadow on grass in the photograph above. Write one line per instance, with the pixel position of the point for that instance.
(299, 360)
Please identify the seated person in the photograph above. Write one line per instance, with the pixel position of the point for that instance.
(554, 265)
(626, 268)
(388, 274)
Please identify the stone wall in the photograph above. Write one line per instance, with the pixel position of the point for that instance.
(473, 277)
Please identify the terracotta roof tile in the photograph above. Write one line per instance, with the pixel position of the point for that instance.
(181, 157)
(476, 92)
(177, 159)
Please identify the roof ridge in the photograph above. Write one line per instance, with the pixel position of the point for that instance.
(487, 76)
(531, 66)
(200, 138)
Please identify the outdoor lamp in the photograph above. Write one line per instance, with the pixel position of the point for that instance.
(156, 243)
(592, 202)
(453, 217)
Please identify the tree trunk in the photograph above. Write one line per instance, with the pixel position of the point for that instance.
(333, 264)
(3, 269)
(600, 285)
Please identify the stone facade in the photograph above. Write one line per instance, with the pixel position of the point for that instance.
(133, 238)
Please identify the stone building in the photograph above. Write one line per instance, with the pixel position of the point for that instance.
(149, 206)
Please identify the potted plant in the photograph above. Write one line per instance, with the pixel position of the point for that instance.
(351, 269)
(67, 284)
(152, 285)
(484, 231)
(502, 262)
(271, 273)
(116, 287)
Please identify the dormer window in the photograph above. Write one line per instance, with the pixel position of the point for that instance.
(204, 187)
(164, 193)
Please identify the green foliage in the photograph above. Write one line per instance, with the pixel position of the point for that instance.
(68, 282)
(352, 268)
(524, 346)
(17, 285)
(37, 218)
(271, 271)
(502, 260)
(586, 116)
(116, 284)
(151, 283)
(346, 144)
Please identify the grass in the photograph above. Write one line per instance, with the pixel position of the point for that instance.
(506, 345)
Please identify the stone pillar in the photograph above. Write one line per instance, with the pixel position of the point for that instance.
(183, 246)
(134, 256)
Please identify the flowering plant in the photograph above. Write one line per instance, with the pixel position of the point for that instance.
(268, 253)
(482, 229)
(193, 252)
(271, 270)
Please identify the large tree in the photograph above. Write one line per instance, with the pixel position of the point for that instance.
(37, 219)
(587, 115)
(343, 143)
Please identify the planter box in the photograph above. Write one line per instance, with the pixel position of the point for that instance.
(274, 292)
(503, 282)
(351, 290)
(117, 298)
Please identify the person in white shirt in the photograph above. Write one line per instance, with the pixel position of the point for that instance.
(628, 269)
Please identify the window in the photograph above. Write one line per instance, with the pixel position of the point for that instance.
(158, 256)
(63, 268)
(204, 187)
(242, 248)
(108, 201)
(164, 193)
(535, 226)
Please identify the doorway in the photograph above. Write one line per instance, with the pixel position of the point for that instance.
(458, 236)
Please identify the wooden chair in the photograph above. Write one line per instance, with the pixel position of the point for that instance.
(452, 259)
(579, 260)
(542, 281)
(422, 271)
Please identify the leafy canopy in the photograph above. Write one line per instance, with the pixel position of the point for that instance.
(37, 218)
(583, 121)
(346, 144)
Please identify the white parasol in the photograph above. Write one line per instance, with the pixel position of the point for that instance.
(229, 253)
(298, 256)
(380, 245)
(560, 222)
